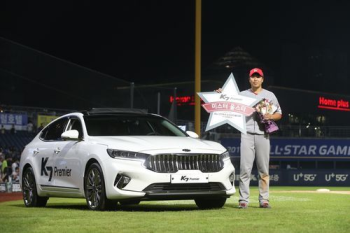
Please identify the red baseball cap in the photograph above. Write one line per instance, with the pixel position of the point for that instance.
(256, 70)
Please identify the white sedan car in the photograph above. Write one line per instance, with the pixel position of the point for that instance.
(127, 156)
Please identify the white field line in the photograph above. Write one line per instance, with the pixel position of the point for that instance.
(305, 191)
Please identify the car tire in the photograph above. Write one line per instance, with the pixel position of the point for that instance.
(95, 191)
(212, 203)
(30, 194)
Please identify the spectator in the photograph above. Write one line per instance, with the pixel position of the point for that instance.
(17, 156)
(1, 160)
(15, 164)
(6, 150)
(5, 177)
(40, 127)
(15, 175)
(3, 166)
(35, 128)
(30, 127)
(13, 129)
(9, 165)
(9, 152)
(3, 131)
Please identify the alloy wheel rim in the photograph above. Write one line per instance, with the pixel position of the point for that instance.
(28, 187)
(94, 188)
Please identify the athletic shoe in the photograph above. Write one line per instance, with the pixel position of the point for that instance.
(265, 205)
(243, 205)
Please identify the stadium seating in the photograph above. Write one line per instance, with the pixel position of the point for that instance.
(19, 139)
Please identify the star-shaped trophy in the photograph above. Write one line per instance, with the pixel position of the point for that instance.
(229, 106)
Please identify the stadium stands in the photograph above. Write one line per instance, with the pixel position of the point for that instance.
(18, 140)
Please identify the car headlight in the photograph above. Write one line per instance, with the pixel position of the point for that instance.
(225, 156)
(121, 154)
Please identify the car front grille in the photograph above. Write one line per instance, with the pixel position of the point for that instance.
(171, 188)
(170, 163)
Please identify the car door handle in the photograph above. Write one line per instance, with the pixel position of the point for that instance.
(57, 150)
(36, 151)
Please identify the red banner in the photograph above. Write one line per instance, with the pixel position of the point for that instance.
(228, 107)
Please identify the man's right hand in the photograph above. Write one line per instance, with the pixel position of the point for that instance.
(218, 90)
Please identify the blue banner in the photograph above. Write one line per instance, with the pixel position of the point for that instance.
(299, 148)
(9, 119)
(303, 178)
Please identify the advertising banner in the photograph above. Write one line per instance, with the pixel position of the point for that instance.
(13, 119)
(304, 178)
(3, 187)
(10, 187)
(43, 120)
(19, 121)
(299, 148)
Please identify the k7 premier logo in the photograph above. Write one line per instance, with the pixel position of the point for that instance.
(53, 171)
(186, 179)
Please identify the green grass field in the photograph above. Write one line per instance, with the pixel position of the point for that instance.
(291, 212)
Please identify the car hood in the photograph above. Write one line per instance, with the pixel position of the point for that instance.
(159, 143)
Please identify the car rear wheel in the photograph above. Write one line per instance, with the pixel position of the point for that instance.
(212, 203)
(30, 194)
(95, 192)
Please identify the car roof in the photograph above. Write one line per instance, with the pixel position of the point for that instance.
(112, 111)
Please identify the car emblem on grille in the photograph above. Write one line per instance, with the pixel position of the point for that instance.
(186, 150)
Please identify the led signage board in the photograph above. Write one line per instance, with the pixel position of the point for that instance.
(183, 100)
(333, 104)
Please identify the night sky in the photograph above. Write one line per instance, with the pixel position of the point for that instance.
(148, 41)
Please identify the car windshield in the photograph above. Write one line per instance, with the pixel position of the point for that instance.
(126, 125)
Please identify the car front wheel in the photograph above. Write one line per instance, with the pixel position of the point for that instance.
(30, 194)
(95, 192)
(212, 203)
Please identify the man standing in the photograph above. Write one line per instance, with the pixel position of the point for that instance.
(255, 145)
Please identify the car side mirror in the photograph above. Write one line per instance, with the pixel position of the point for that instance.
(70, 135)
(192, 134)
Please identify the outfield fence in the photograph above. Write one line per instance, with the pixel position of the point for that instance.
(10, 187)
(299, 177)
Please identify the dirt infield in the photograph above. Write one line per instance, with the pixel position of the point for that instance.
(10, 196)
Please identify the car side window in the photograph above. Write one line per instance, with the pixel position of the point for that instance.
(75, 124)
(53, 132)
